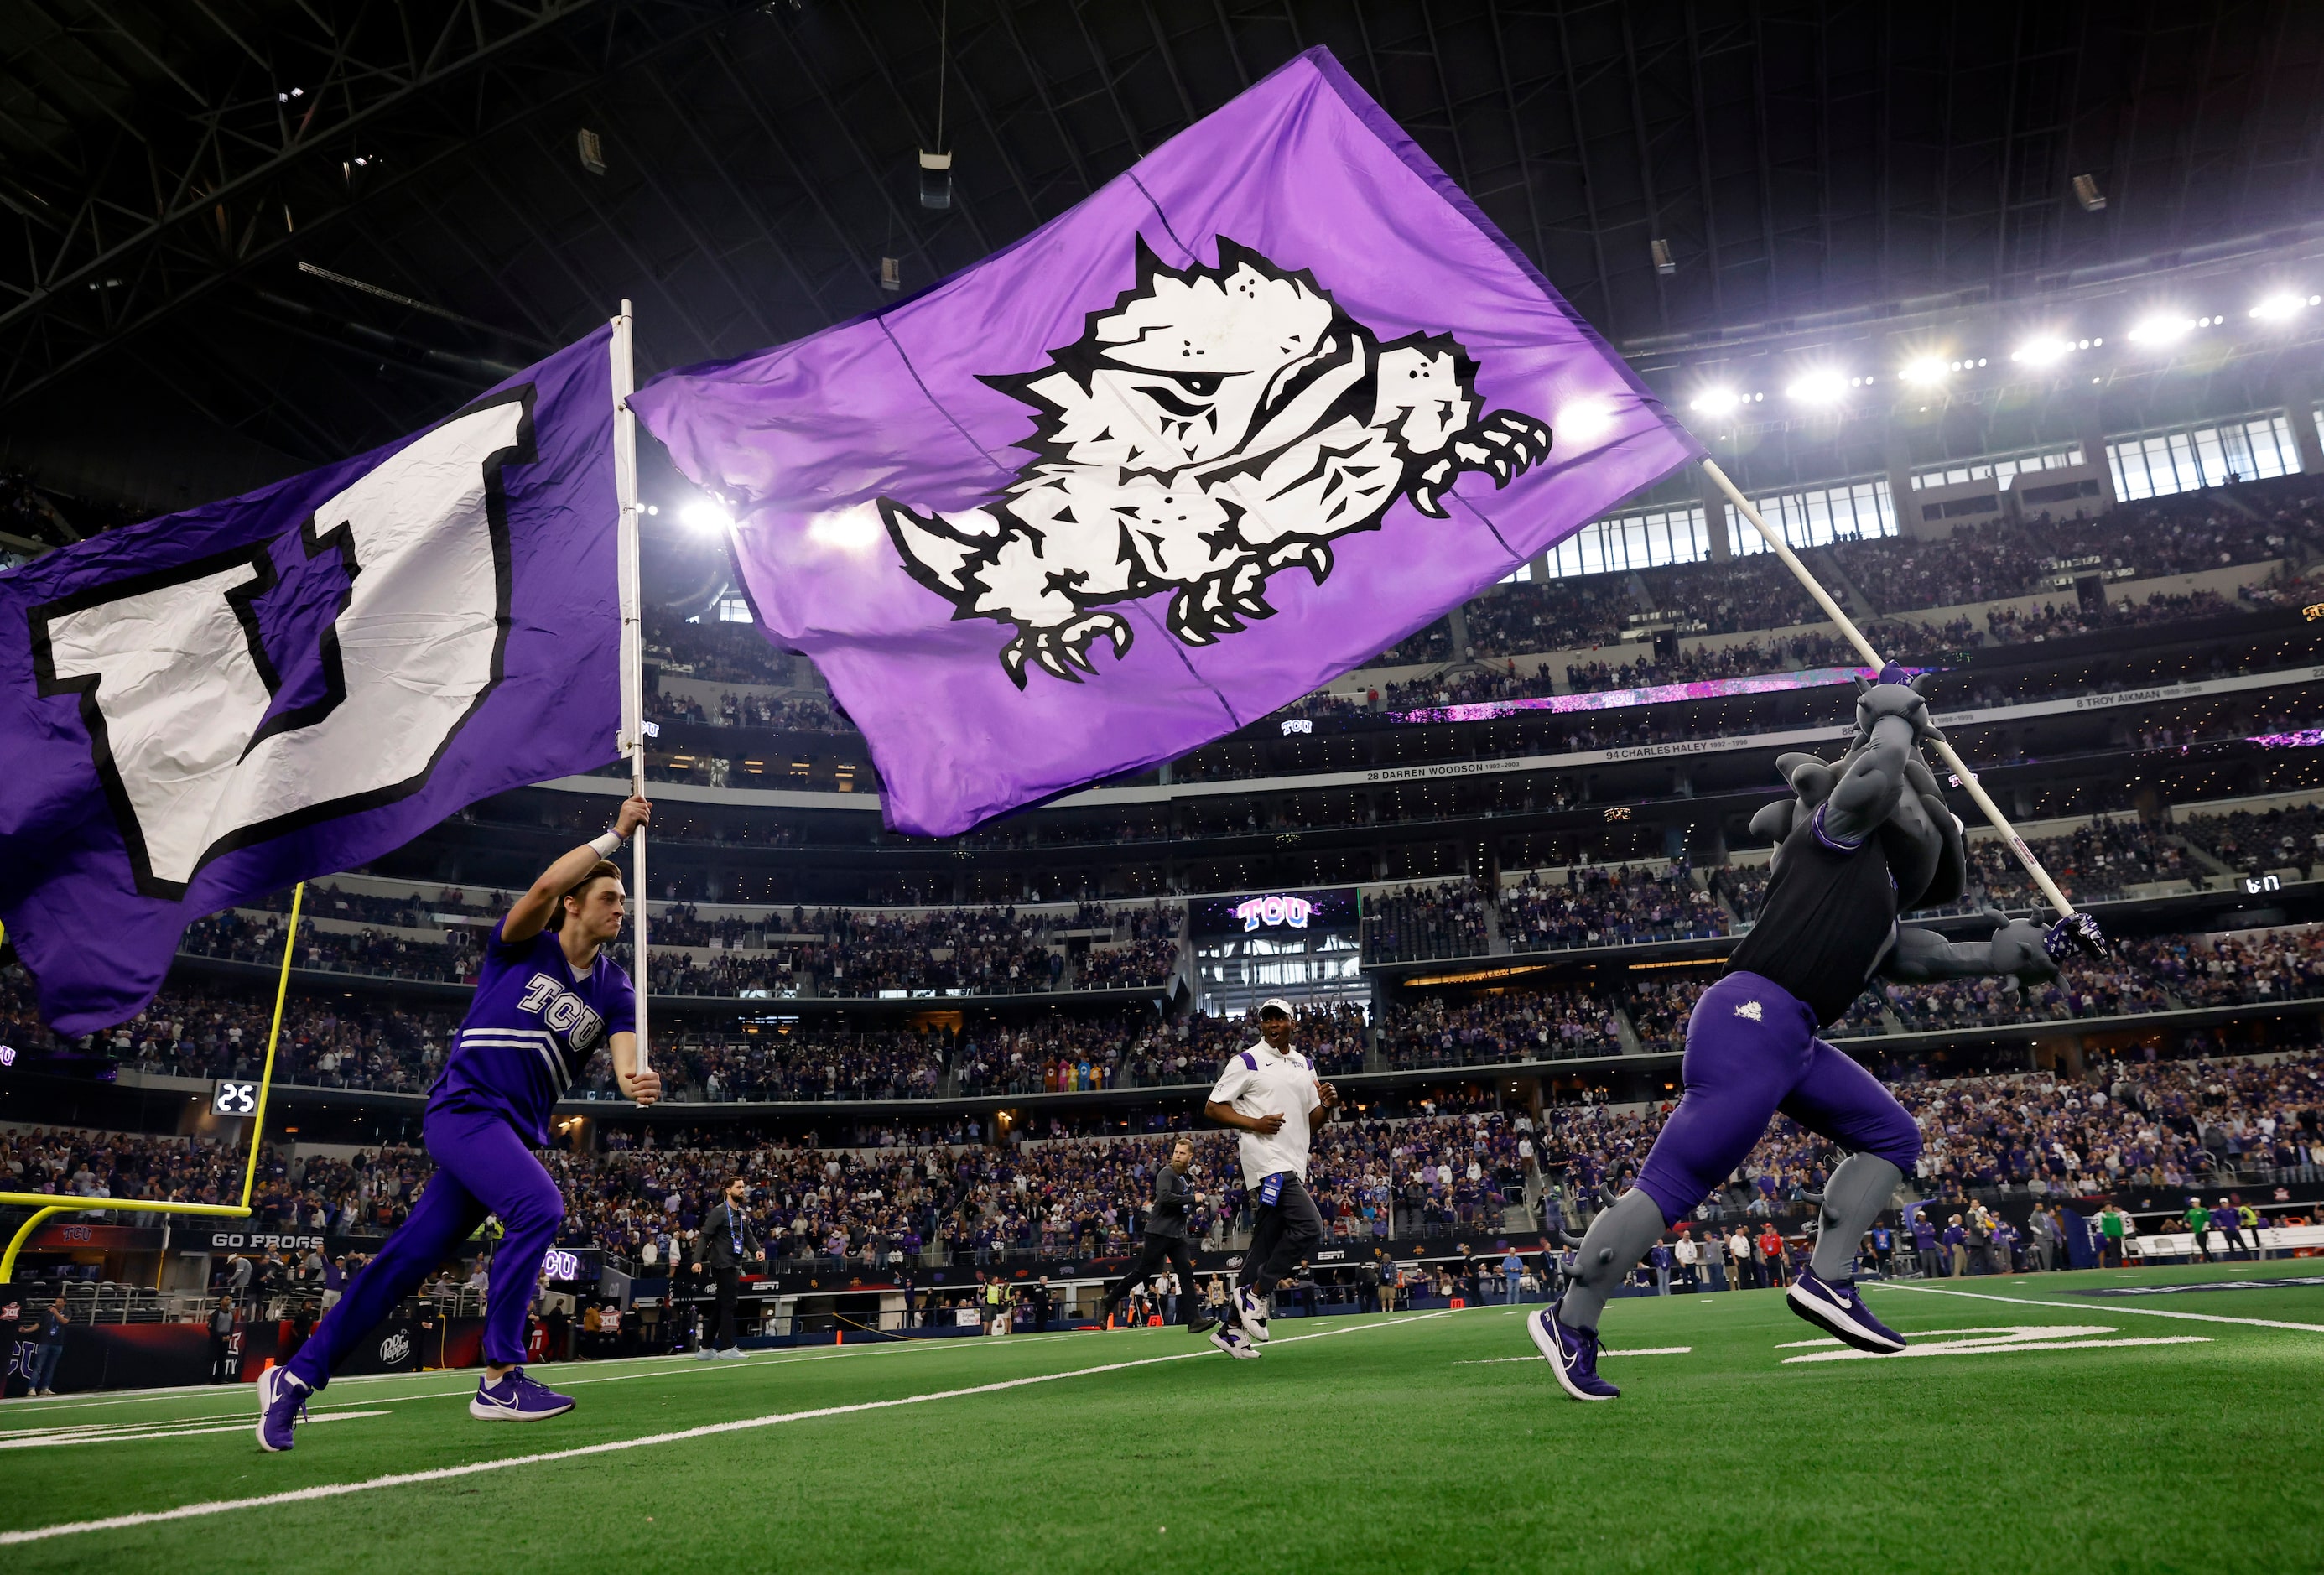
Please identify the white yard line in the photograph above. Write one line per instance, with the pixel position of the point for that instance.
(655, 1366)
(1643, 1350)
(1985, 1346)
(616, 1446)
(2111, 1309)
(140, 1434)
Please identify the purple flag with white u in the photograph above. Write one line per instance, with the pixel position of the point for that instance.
(211, 705)
(1270, 401)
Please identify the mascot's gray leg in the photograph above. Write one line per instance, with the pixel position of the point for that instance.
(1852, 1199)
(1618, 1237)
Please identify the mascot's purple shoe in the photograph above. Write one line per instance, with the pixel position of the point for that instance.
(1572, 1355)
(1835, 1307)
(517, 1398)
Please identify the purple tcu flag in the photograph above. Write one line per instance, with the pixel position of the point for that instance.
(1266, 404)
(212, 706)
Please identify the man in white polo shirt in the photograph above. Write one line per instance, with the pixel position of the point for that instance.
(1270, 1095)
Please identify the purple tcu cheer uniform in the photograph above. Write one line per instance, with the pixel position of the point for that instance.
(530, 1031)
(1751, 1047)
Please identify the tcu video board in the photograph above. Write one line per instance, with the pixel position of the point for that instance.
(1276, 912)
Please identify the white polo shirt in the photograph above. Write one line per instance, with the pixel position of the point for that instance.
(1258, 1081)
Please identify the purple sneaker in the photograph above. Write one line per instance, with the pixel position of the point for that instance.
(1837, 1308)
(517, 1398)
(282, 1402)
(1572, 1355)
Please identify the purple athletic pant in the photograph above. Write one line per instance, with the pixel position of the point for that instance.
(1752, 1050)
(482, 1167)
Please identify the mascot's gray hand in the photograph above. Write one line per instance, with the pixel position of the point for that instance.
(2017, 948)
(1885, 700)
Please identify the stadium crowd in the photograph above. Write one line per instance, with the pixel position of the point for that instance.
(2162, 1126)
(1599, 906)
(829, 954)
(1497, 1026)
(1426, 921)
(2127, 1127)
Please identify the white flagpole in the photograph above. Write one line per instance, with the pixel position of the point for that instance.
(634, 707)
(1953, 762)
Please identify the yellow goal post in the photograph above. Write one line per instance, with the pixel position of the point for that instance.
(45, 1204)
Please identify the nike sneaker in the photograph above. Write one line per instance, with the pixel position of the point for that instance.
(1572, 1355)
(1835, 1307)
(517, 1398)
(282, 1402)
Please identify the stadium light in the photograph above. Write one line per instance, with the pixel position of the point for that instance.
(707, 516)
(1715, 401)
(1819, 388)
(2044, 351)
(2165, 328)
(1926, 372)
(2281, 307)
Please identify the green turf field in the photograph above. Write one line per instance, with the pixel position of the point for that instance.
(1422, 1441)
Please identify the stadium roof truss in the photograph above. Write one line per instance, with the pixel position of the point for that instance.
(1684, 169)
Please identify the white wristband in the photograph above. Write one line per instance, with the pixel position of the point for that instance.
(607, 846)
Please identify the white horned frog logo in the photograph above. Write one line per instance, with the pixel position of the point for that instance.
(1213, 425)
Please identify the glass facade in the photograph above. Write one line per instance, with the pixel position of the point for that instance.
(1847, 511)
(1641, 538)
(2183, 459)
(2001, 468)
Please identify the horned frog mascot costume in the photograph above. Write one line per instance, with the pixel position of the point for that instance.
(1858, 843)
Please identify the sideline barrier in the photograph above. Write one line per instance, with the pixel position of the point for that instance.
(2288, 1239)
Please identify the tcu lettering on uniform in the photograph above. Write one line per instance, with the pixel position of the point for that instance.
(560, 1009)
(178, 691)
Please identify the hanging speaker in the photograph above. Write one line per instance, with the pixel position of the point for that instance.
(936, 180)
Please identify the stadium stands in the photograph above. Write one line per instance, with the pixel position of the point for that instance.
(1447, 920)
(2166, 1125)
(1600, 906)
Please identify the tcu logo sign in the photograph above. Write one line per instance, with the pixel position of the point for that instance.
(1271, 911)
(559, 1264)
(202, 743)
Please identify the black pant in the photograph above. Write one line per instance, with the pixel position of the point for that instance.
(1155, 1251)
(730, 1285)
(1284, 1230)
